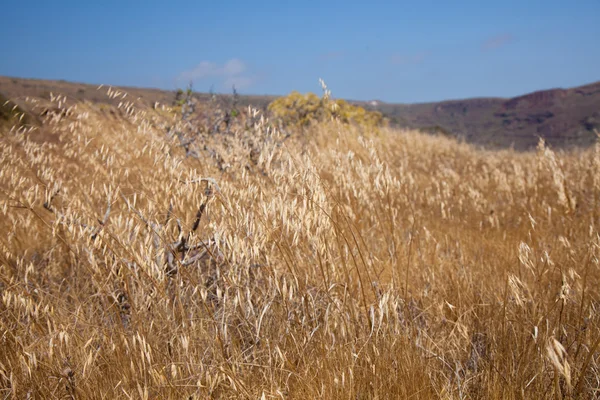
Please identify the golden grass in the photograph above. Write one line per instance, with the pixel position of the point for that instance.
(339, 265)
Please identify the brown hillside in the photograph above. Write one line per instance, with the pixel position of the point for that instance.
(563, 117)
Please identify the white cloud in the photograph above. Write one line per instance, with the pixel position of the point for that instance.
(497, 41)
(240, 82)
(233, 67)
(200, 71)
(230, 73)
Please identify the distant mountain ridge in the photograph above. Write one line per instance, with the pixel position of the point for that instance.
(563, 117)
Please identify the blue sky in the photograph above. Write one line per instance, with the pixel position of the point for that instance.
(396, 51)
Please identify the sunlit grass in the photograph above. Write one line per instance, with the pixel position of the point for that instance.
(336, 264)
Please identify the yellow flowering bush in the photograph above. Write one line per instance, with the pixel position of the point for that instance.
(298, 110)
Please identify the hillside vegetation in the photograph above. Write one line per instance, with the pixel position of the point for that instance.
(564, 118)
(146, 255)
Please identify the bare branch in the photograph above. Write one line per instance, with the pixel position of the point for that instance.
(198, 216)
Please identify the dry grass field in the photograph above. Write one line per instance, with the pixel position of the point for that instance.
(336, 264)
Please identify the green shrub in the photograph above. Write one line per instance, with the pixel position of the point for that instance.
(179, 98)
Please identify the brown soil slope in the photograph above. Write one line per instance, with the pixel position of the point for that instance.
(563, 117)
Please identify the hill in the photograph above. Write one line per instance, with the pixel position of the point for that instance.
(18, 88)
(563, 117)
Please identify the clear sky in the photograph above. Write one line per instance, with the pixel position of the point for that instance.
(396, 51)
